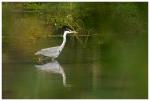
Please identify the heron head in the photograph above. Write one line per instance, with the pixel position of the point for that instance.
(68, 30)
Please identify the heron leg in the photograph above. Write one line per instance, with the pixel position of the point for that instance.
(53, 59)
(40, 59)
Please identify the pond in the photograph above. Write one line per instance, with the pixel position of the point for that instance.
(106, 65)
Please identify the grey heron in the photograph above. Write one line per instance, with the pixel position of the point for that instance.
(54, 52)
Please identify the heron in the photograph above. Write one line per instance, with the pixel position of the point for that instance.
(54, 52)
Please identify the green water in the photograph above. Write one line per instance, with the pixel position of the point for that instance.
(112, 62)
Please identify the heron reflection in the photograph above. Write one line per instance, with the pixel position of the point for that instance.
(53, 67)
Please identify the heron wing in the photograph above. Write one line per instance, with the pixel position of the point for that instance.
(51, 52)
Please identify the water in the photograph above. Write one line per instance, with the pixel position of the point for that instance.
(106, 65)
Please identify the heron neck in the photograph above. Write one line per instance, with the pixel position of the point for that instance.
(64, 40)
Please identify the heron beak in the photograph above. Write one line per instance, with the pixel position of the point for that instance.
(74, 32)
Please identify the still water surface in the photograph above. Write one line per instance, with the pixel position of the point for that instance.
(78, 73)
